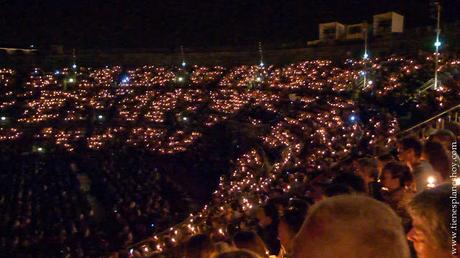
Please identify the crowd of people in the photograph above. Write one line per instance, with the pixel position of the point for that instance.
(56, 205)
(309, 138)
(42, 209)
(370, 210)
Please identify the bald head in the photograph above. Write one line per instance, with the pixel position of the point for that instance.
(351, 226)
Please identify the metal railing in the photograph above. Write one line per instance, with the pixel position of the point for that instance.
(436, 122)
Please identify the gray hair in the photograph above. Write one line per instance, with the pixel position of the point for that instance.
(355, 226)
(433, 206)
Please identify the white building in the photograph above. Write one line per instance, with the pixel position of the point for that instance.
(356, 31)
(387, 23)
(331, 31)
(383, 24)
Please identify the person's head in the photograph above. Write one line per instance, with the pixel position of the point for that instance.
(430, 211)
(435, 153)
(222, 247)
(280, 203)
(251, 241)
(395, 175)
(199, 246)
(289, 225)
(337, 189)
(352, 226)
(267, 214)
(238, 254)
(382, 160)
(410, 150)
(367, 169)
(355, 182)
(443, 136)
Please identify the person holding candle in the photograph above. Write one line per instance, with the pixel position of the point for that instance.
(410, 152)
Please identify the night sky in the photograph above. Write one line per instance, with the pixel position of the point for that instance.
(192, 23)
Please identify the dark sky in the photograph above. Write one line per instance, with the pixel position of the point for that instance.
(193, 23)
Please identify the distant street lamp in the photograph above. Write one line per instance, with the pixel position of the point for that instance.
(261, 55)
(437, 44)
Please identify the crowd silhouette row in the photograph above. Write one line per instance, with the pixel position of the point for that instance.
(102, 161)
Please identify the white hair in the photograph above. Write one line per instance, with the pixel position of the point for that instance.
(351, 226)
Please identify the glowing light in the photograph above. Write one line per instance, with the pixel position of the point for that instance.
(437, 43)
(262, 64)
(71, 80)
(366, 55)
(57, 72)
(3, 118)
(125, 79)
(353, 118)
(183, 64)
(431, 180)
(332, 137)
(74, 66)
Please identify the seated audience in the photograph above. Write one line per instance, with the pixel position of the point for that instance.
(116, 155)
